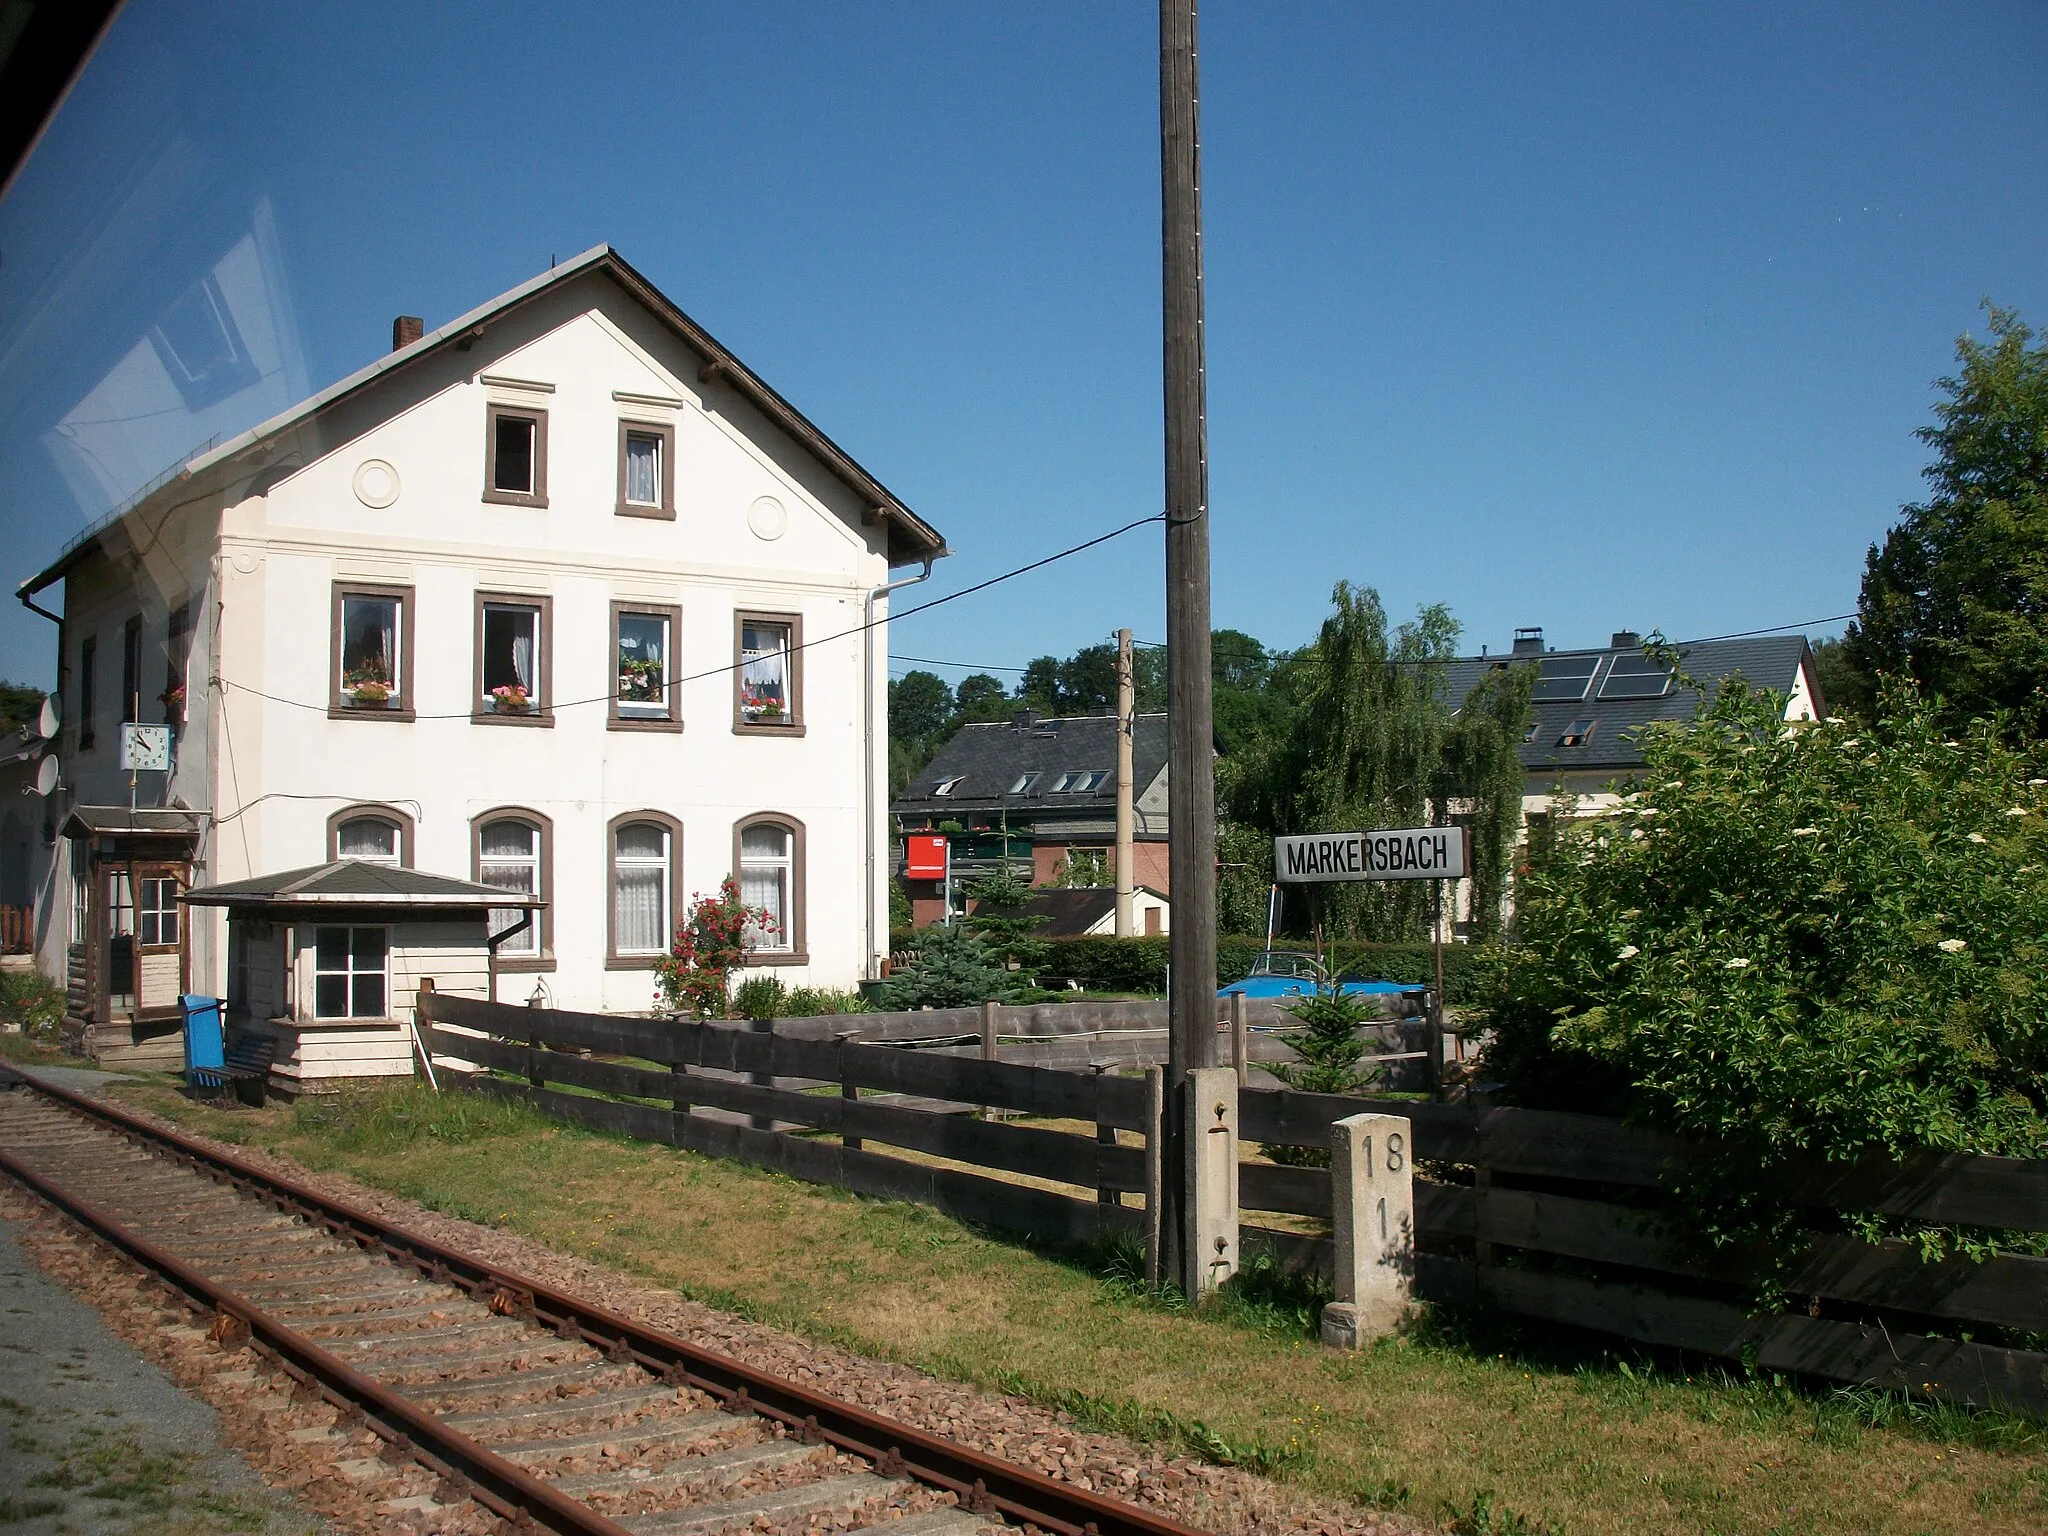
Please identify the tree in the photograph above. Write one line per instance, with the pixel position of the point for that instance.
(1237, 661)
(1040, 687)
(709, 946)
(1957, 596)
(980, 698)
(1819, 941)
(1846, 689)
(20, 704)
(954, 969)
(920, 706)
(1087, 680)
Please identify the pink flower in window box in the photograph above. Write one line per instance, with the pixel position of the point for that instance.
(511, 699)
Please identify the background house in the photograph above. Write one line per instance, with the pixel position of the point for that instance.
(559, 597)
(1090, 912)
(1042, 790)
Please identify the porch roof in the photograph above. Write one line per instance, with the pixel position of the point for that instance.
(358, 883)
(119, 821)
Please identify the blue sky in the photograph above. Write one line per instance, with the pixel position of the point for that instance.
(1580, 315)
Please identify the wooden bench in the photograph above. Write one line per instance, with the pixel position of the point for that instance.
(245, 1068)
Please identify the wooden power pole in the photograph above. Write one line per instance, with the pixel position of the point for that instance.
(1126, 811)
(1190, 770)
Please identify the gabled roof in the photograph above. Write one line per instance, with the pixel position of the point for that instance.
(1066, 913)
(1767, 661)
(910, 537)
(358, 883)
(988, 759)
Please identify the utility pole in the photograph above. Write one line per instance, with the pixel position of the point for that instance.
(1190, 770)
(1126, 814)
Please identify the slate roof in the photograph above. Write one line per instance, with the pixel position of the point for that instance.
(988, 759)
(357, 883)
(1766, 661)
(1068, 913)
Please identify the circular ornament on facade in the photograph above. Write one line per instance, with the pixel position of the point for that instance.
(376, 483)
(768, 518)
(245, 563)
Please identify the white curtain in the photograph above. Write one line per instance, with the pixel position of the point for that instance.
(764, 667)
(367, 837)
(522, 651)
(643, 469)
(764, 883)
(640, 890)
(509, 860)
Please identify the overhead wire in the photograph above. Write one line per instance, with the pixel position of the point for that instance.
(734, 666)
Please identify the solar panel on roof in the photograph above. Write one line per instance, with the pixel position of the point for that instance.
(1636, 677)
(1564, 677)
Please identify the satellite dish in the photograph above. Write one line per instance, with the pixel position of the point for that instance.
(46, 723)
(46, 776)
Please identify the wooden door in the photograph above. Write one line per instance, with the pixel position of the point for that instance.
(160, 948)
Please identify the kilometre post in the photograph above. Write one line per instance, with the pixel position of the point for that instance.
(1191, 848)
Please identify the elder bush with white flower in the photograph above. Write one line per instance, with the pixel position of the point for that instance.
(1826, 943)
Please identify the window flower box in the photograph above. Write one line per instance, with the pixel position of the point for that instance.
(509, 699)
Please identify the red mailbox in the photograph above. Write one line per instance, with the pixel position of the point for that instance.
(926, 857)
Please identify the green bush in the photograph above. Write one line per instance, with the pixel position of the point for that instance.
(955, 969)
(1818, 940)
(1139, 964)
(813, 1002)
(33, 1004)
(761, 997)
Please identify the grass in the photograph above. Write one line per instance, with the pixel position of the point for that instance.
(1478, 1426)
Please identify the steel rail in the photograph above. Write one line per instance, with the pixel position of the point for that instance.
(502, 1487)
(984, 1484)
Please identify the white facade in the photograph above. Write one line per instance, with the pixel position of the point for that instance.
(738, 523)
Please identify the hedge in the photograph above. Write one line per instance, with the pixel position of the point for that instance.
(1139, 964)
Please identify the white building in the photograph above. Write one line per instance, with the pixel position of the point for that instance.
(560, 597)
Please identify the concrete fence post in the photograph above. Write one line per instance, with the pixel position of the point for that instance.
(1372, 1188)
(1240, 1039)
(1210, 1204)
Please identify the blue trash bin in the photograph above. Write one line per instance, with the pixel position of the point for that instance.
(205, 1047)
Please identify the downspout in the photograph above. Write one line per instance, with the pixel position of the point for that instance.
(871, 965)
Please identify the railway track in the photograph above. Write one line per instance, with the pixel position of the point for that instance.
(544, 1410)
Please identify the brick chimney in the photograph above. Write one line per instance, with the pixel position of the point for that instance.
(406, 330)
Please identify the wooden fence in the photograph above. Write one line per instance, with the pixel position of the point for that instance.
(17, 930)
(1552, 1217)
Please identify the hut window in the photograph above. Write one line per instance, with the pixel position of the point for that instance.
(350, 973)
(159, 913)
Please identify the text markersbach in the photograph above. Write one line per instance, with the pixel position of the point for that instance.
(1415, 853)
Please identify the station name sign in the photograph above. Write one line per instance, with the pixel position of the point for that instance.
(1418, 853)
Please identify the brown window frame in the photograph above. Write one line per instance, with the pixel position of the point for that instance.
(613, 960)
(794, 725)
(88, 679)
(542, 712)
(538, 496)
(338, 705)
(673, 720)
(798, 952)
(544, 919)
(666, 432)
(375, 810)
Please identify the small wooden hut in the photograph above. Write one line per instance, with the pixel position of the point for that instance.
(327, 961)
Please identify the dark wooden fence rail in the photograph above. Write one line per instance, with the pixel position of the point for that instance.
(1544, 1229)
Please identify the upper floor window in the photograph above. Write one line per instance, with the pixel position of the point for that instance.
(379, 834)
(351, 973)
(516, 456)
(177, 648)
(769, 858)
(768, 680)
(647, 473)
(131, 670)
(88, 667)
(645, 694)
(372, 657)
(511, 853)
(512, 661)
